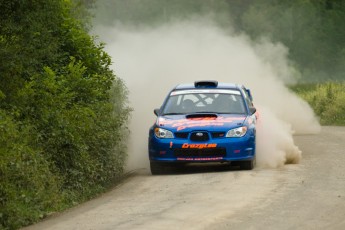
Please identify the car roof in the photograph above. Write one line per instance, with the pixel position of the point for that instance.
(218, 85)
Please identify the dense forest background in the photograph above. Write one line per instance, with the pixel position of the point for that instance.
(312, 30)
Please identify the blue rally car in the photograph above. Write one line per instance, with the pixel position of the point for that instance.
(204, 122)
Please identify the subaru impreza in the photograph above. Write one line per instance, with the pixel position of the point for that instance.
(204, 121)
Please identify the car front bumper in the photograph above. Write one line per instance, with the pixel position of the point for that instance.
(214, 150)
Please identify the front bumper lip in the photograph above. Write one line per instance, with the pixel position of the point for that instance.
(201, 159)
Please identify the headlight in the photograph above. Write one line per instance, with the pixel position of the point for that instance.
(238, 132)
(163, 133)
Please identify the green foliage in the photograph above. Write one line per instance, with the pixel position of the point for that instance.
(327, 100)
(312, 30)
(69, 110)
(29, 190)
(156, 12)
(63, 112)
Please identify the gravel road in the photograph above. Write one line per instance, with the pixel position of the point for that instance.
(308, 195)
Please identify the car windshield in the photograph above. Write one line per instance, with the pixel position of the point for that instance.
(206, 101)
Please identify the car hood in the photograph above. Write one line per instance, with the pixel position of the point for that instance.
(186, 123)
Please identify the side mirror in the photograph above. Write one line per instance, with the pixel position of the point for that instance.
(252, 110)
(156, 112)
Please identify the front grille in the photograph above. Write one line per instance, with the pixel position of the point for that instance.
(210, 152)
(217, 134)
(183, 135)
(199, 136)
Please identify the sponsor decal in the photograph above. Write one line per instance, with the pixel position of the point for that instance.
(179, 128)
(199, 158)
(198, 146)
(198, 122)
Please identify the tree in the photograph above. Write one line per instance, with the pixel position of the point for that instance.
(310, 29)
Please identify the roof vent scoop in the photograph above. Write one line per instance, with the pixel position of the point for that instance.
(206, 84)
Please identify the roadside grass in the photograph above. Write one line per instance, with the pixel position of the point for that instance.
(326, 99)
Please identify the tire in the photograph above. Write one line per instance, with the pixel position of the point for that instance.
(247, 165)
(157, 168)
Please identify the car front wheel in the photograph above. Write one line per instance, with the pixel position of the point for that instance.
(248, 165)
(157, 168)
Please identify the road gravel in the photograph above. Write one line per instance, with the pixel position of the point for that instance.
(308, 195)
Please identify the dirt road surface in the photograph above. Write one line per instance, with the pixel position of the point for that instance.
(309, 195)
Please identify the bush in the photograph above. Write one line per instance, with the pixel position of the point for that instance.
(29, 190)
(327, 100)
(63, 112)
(77, 126)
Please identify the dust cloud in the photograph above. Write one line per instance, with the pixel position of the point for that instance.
(153, 60)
